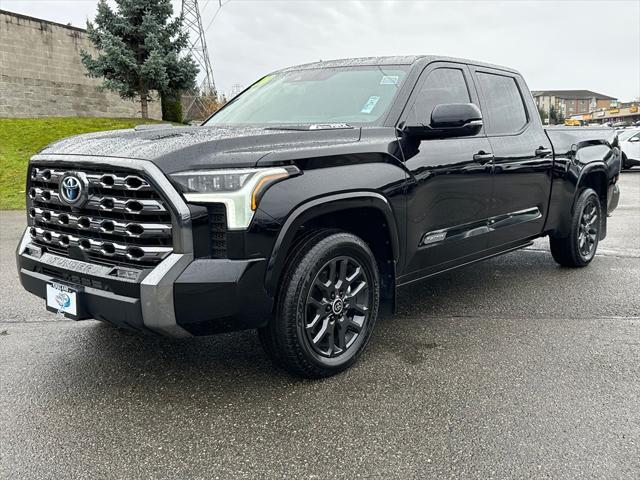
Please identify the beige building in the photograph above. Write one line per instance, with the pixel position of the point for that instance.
(624, 113)
(571, 102)
(41, 74)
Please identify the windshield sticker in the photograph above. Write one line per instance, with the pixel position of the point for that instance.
(329, 126)
(389, 80)
(262, 81)
(370, 105)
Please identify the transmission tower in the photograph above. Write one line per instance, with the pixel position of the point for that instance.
(192, 24)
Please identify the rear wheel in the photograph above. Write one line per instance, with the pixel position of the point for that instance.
(579, 247)
(327, 306)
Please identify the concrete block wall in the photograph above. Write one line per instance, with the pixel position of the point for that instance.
(41, 74)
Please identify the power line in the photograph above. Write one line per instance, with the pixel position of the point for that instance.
(220, 5)
(197, 48)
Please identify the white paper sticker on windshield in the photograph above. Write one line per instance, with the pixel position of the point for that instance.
(389, 80)
(370, 105)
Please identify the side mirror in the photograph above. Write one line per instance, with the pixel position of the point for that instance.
(449, 120)
(634, 139)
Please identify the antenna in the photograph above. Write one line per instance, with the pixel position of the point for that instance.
(192, 24)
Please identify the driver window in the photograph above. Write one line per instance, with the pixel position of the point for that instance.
(443, 85)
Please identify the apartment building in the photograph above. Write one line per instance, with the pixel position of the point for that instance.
(571, 102)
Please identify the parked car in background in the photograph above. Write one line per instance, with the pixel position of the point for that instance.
(630, 145)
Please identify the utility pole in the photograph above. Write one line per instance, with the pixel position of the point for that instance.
(236, 89)
(192, 23)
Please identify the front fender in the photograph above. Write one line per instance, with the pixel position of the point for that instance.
(321, 206)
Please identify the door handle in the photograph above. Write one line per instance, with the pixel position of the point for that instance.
(543, 152)
(483, 157)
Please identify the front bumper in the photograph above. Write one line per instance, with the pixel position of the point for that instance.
(180, 297)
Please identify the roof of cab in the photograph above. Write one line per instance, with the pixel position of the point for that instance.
(389, 60)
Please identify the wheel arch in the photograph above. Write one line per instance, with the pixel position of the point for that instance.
(337, 211)
(566, 191)
(594, 176)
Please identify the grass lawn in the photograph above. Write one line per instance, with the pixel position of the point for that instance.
(20, 138)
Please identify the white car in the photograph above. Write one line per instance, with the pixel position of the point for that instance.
(630, 144)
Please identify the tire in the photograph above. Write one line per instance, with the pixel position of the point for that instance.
(578, 249)
(625, 166)
(326, 308)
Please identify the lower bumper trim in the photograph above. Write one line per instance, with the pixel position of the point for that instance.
(156, 294)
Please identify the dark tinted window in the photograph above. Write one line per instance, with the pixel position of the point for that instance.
(443, 85)
(503, 110)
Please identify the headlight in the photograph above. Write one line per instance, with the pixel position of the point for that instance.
(239, 189)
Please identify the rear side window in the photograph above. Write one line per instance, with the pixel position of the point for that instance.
(443, 85)
(503, 111)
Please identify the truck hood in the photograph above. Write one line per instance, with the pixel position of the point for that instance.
(181, 148)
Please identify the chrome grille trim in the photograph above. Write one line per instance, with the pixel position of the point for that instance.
(181, 218)
(123, 220)
(125, 252)
(133, 206)
(131, 182)
(98, 224)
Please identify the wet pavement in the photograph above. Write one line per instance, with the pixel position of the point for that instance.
(512, 368)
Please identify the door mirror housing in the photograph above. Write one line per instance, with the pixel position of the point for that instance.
(449, 120)
(634, 139)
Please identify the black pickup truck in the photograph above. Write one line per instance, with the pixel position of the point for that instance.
(301, 207)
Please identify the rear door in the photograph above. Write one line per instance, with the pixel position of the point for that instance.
(523, 159)
(449, 197)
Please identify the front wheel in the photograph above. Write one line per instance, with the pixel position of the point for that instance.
(327, 306)
(579, 247)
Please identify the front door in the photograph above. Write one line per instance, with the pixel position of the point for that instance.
(450, 184)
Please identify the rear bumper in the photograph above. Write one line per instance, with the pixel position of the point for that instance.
(180, 297)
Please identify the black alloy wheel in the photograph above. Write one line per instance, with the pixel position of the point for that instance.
(327, 305)
(589, 229)
(338, 306)
(578, 247)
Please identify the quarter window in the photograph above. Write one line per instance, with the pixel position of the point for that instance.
(443, 85)
(503, 110)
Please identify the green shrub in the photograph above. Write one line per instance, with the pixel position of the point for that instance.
(172, 108)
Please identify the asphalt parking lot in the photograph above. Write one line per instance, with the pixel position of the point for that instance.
(513, 368)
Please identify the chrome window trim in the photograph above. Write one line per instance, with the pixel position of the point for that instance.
(156, 290)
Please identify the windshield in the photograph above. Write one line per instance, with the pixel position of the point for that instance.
(626, 134)
(352, 95)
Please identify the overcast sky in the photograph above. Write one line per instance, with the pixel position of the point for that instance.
(592, 45)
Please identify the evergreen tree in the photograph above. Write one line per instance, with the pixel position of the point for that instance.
(542, 113)
(139, 48)
(553, 115)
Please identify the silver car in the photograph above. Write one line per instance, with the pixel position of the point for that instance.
(630, 144)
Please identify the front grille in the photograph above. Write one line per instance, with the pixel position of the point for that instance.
(123, 220)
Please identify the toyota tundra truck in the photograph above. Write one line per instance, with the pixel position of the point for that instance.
(304, 204)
